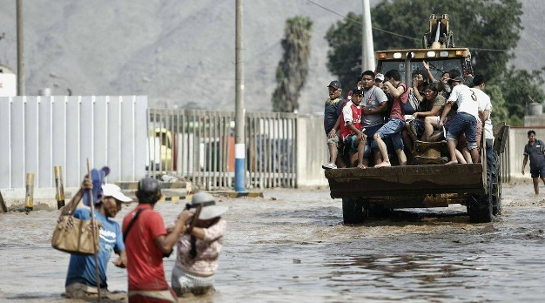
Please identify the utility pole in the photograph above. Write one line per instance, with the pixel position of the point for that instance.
(240, 146)
(20, 51)
(367, 48)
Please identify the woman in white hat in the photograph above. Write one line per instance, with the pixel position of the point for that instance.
(198, 249)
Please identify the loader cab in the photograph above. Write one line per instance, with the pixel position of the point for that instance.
(410, 60)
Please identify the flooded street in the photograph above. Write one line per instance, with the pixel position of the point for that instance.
(291, 246)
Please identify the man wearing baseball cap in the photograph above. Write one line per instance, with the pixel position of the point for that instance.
(332, 111)
(81, 277)
(379, 80)
(147, 241)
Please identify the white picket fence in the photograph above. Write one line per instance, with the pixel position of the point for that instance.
(38, 133)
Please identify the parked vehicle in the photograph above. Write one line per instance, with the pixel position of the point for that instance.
(160, 150)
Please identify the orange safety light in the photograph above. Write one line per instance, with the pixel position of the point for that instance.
(382, 55)
(459, 53)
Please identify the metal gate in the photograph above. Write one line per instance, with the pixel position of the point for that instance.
(199, 146)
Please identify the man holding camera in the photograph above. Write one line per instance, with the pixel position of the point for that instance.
(146, 242)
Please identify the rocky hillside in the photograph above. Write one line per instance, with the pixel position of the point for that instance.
(182, 53)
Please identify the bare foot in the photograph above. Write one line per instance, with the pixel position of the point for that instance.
(362, 166)
(451, 162)
(383, 164)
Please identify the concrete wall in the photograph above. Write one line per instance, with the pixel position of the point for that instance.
(38, 133)
(312, 151)
(518, 138)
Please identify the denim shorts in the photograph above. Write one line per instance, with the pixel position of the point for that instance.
(466, 123)
(419, 127)
(462, 142)
(349, 142)
(370, 142)
(393, 129)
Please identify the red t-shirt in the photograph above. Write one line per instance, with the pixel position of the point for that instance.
(144, 257)
(397, 106)
(351, 113)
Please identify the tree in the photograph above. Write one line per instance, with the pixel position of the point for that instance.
(344, 55)
(292, 70)
(521, 87)
(499, 109)
(490, 28)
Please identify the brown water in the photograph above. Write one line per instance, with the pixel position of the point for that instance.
(291, 246)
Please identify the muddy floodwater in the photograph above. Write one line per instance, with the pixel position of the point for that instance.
(291, 246)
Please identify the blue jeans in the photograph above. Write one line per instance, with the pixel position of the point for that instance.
(491, 156)
(393, 129)
(370, 142)
(466, 123)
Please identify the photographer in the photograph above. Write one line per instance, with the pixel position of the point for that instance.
(199, 248)
(146, 242)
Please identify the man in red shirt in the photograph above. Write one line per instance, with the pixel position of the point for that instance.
(146, 242)
(396, 122)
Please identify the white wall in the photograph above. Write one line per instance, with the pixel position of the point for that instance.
(38, 133)
(312, 151)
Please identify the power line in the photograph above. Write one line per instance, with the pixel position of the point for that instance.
(355, 21)
(415, 39)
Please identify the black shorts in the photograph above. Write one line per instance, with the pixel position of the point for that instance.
(538, 172)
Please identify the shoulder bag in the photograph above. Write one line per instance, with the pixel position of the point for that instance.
(73, 235)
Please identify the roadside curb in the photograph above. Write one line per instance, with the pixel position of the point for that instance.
(175, 198)
(164, 185)
(233, 194)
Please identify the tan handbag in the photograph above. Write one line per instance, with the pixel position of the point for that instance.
(75, 236)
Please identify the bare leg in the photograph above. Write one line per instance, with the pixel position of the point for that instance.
(361, 151)
(383, 152)
(452, 151)
(377, 156)
(333, 152)
(340, 162)
(428, 128)
(401, 156)
(467, 155)
(340, 158)
(408, 137)
(475, 155)
(354, 160)
(536, 185)
(460, 157)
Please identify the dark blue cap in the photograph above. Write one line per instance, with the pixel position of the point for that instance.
(149, 186)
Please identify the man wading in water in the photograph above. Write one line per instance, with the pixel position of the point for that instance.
(535, 150)
(81, 277)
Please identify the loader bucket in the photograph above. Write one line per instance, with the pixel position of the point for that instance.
(406, 180)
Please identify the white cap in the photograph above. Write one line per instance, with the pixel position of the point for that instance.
(114, 191)
(210, 209)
